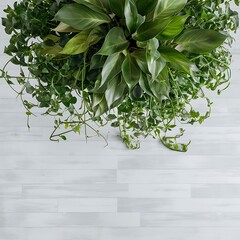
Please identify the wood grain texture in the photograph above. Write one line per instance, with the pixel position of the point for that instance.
(75, 190)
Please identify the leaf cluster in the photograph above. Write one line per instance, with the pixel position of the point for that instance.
(134, 63)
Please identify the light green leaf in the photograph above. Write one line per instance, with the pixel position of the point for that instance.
(80, 16)
(200, 40)
(77, 44)
(174, 28)
(166, 8)
(177, 59)
(130, 71)
(151, 29)
(62, 27)
(114, 93)
(99, 106)
(145, 6)
(111, 68)
(133, 19)
(115, 41)
(81, 42)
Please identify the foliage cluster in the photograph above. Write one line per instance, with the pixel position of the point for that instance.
(135, 64)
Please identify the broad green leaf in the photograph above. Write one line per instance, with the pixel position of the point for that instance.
(62, 27)
(95, 5)
(154, 60)
(177, 59)
(236, 2)
(111, 68)
(97, 61)
(151, 29)
(167, 8)
(115, 41)
(117, 7)
(160, 87)
(80, 16)
(200, 40)
(114, 93)
(79, 43)
(99, 106)
(133, 19)
(145, 6)
(174, 28)
(130, 71)
(144, 84)
(140, 56)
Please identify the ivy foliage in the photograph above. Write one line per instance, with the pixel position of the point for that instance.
(135, 64)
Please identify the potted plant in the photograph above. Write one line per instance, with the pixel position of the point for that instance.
(135, 64)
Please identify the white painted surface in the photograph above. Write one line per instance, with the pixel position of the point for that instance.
(73, 190)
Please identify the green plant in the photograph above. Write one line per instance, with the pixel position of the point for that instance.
(134, 63)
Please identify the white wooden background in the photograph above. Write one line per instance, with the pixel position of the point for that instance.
(77, 191)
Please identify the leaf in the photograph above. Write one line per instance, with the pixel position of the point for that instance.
(117, 7)
(200, 40)
(111, 68)
(114, 93)
(133, 19)
(95, 5)
(115, 41)
(62, 27)
(151, 29)
(145, 7)
(236, 2)
(174, 28)
(80, 16)
(80, 43)
(154, 61)
(140, 56)
(144, 84)
(99, 104)
(166, 8)
(177, 59)
(130, 71)
(160, 87)
(97, 61)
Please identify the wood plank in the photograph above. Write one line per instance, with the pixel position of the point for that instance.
(69, 219)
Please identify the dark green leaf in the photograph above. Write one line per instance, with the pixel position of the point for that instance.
(117, 7)
(140, 56)
(133, 19)
(177, 59)
(111, 68)
(115, 41)
(151, 29)
(130, 71)
(145, 6)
